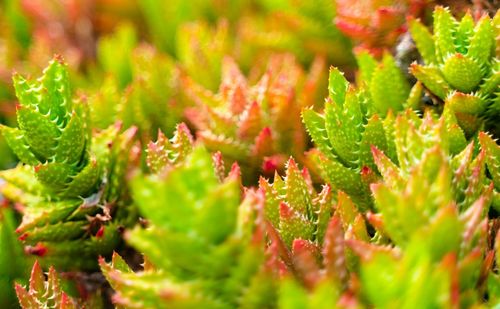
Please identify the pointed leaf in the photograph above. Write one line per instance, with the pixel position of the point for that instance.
(17, 142)
(388, 87)
(334, 252)
(432, 79)
(315, 125)
(54, 174)
(71, 142)
(462, 73)
(482, 41)
(444, 29)
(337, 86)
(40, 132)
(424, 41)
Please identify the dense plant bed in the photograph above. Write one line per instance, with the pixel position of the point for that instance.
(249, 154)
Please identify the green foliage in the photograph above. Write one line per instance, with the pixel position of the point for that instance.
(42, 294)
(114, 54)
(387, 87)
(343, 135)
(256, 125)
(13, 263)
(48, 293)
(308, 240)
(70, 183)
(399, 209)
(294, 207)
(165, 153)
(461, 67)
(164, 32)
(433, 206)
(431, 199)
(182, 207)
(53, 134)
(140, 86)
(151, 101)
(293, 296)
(198, 45)
(425, 171)
(299, 26)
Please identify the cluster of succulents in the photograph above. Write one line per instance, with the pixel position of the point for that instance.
(210, 219)
(461, 67)
(183, 155)
(257, 125)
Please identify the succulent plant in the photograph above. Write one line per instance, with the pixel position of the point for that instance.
(422, 163)
(430, 221)
(258, 126)
(166, 153)
(434, 208)
(48, 293)
(397, 205)
(70, 184)
(316, 276)
(461, 66)
(181, 207)
(383, 84)
(344, 133)
(293, 206)
(307, 242)
(432, 187)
